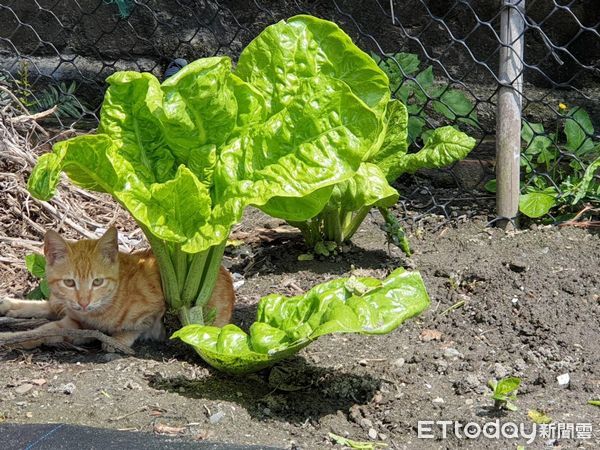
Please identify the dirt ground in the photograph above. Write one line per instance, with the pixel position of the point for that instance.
(522, 304)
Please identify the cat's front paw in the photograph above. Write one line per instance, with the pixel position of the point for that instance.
(5, 306)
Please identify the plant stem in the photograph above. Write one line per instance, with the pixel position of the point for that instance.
(194, 277)
(180, 265)
(332, 226)
(310, 229)
(357, 220)
(212, 266)
(168, 276)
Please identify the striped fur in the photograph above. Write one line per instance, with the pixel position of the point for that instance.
(94, 286)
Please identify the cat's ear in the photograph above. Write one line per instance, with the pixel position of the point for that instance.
(55, 247)
(108, 245)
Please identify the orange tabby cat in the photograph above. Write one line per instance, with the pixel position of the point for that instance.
(94, 286)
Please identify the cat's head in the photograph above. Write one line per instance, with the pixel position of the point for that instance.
(83, 275)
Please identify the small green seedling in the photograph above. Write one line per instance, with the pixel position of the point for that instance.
(505, 392)
(594, 402)
(36, 266)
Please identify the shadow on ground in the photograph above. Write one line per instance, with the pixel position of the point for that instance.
(293, 391)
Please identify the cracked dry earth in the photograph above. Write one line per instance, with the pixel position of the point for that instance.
(520, 304)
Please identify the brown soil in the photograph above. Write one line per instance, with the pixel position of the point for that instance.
(525, 304)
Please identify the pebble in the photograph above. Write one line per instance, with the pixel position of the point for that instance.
(366, 423)
(218, 416)
(438, 400)
(24, 388)
(398, 362)
(517, 265)
(564, 379)
(452, 353)
(68, 389)
(500, 371)
(372, 433)
(133, 385)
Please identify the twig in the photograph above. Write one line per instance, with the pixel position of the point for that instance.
(23, 336)
(453, 307)
(116, 419)
(34, 117)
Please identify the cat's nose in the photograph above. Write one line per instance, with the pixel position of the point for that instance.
(83, 304)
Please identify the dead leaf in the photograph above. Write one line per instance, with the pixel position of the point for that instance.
(430, 335)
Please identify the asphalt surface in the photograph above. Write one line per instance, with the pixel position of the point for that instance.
(62, 436)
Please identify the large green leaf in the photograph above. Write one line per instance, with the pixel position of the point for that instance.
(578, 129)
(185, 157)
(445, 146)
(303, 47)
(286, 325)
(395, 143)
(537, 203)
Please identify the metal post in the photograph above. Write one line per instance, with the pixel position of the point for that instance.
(508, 113)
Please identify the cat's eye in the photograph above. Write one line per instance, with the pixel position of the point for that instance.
(69, 282)
(98, 281)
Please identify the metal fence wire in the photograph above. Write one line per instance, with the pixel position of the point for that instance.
(442, 58)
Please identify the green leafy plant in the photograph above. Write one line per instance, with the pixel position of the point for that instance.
(36, 266)
(417, 89)
(61, 96)
(185, 157)
(504, 392)
(388, 158)
(561, 169)
(351, 200)
(284, 325)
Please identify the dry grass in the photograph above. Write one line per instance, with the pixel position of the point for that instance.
(23, 219)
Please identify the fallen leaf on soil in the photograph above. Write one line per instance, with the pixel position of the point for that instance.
(159, 428)
(358, 445)
(538, 417)
(24, 388)
(430, 335)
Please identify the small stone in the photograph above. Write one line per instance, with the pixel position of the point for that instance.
(452, 353)
(438, 400)
(382, 436)
(29, 414)
(217, 417)
(469, 401)
(366, 423)
(517, 265)
(430, 335)
(133, 385)
(372, 433)
(24, 388)
(68, 389)
(398, 362)
(363, 362)
(564, 379)
(39, 381)
(500, 371)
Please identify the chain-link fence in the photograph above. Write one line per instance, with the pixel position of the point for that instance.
(442, 58)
